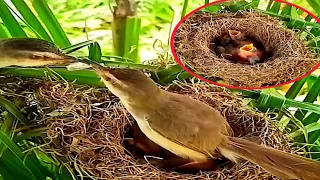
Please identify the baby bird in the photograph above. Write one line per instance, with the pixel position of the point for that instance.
(240, 49)
(222, 40)
(247, 54)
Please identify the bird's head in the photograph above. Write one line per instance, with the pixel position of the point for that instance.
(28, 52)
(235, 35)
(249, 52)
(126, 83)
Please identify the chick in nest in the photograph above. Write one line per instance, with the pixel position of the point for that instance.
(236, 47)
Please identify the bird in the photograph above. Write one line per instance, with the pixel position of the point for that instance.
(222, 40)
(235, 35)
(238, 48)
(246, 54)
(28, 52)
(194, 130)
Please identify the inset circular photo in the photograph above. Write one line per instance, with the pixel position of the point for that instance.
(247, 48)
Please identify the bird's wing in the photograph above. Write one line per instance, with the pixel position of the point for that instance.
(190, 123)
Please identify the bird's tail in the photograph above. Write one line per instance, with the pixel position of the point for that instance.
(281, 164)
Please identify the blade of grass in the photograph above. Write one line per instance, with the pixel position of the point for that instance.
(95, 52)
(315, 5)
(10, 22)
(34, 132)
(6, 128)
(212, 9)
(311, 97)
(4, 33)
(275, 7)
(289, 18)
(31, 19)
(310, 128)
(10, 107)
(296, 88)
(240, 5)
(52, 24)
(269, 5)
(78, 46)
(12, 169)
(286, 10)
(88, 77)
(184, 9)
(21, 157)
(132, 38)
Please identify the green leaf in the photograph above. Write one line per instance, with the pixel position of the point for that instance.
(95, 52)
(269, 5)
(10, 22)
(184, 9)
(31, 19)
(286, 10)
(34, 132)
(311, 97)
(240, 5)
(289, 18)
(296, 88)
(293, 23)
(275, 7)
(315, 5)
(212, 9)
(310, 128)
(10, 107)
(4, 33)
(131, 48)
(21, 157)
(10, 168)
(6, 128)
(78, 46)
(52, 24)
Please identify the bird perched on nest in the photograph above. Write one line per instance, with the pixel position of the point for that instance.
(193, 130)
(234, 46)
(27, 52)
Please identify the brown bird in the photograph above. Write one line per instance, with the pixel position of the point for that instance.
(194, 130)
(27, 52)
(222, 40)
(246, 54)
(239, 39)
(236, 35)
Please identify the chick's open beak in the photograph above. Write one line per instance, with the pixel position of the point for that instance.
(247, 50)
(235, 35)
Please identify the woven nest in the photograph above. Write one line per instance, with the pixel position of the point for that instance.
(88, 127)
(193, 44)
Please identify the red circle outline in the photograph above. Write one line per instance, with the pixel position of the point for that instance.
(230, 86)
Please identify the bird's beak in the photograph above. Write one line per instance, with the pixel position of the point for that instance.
(235, 35)
(247, 50)
(101, 71)
(248, 47)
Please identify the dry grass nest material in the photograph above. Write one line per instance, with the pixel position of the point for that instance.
(88, 128)
(291, 58)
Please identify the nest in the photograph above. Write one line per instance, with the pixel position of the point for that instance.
(290, 59)
(88, 127)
